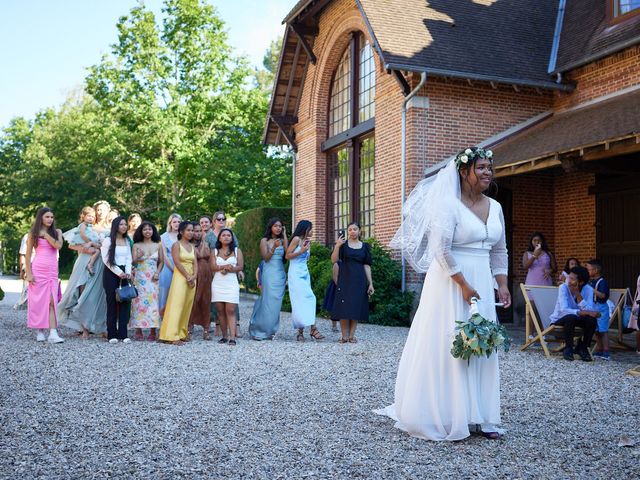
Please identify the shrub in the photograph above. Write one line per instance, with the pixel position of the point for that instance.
(249, 228)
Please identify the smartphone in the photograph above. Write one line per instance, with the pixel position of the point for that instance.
(342, 234)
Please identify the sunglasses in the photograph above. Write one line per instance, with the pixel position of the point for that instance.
(221, 219)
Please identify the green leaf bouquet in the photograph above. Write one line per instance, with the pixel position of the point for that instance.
(478, 336)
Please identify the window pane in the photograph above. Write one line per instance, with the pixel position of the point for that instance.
(625, 6)
(367, 187)
(367, 81)
(340, 181)
(340, 105)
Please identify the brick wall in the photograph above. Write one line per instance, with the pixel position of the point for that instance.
(600, 78)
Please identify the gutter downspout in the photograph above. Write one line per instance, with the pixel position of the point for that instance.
(403, 186)
(293, 190)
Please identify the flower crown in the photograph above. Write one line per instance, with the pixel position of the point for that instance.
(471, 154)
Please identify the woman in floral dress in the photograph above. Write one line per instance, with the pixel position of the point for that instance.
(148, 260)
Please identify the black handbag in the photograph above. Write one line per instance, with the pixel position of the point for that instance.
(126, 293)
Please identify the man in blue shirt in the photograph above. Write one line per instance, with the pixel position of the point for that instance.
(575, 308)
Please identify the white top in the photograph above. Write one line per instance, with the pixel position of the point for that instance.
(122, 257)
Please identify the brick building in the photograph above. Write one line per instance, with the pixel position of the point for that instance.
(552, 86)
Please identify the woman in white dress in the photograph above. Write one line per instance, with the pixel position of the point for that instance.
(225, 289)
(437, 396)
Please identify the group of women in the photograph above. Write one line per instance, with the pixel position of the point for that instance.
(179, 275)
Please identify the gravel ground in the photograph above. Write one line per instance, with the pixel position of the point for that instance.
(285, 409)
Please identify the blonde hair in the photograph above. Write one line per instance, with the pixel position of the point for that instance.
(171, 217)
(86, 210)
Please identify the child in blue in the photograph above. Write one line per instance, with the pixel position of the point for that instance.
(601, 295)
(84, 234)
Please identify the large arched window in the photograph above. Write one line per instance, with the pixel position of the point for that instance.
(350, 142)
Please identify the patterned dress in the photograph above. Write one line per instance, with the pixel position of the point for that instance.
(145, 311)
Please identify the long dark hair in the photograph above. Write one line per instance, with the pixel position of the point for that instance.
(137, 235)
(37, 225)
(113, 235)
(233, 239)
(302, 228)
(182, 227)
(270, 224)
(543, 242)
(566, 265)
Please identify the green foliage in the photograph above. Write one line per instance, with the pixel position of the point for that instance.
(479, 337)
(1, 294)
(169, 121)
(249, 228)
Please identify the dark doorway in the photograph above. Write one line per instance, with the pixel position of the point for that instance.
(618, 228)
(504, 196)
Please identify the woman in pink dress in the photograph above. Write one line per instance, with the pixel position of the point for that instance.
(539, 262)
(42, 276)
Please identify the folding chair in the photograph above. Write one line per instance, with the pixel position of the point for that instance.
(540, 302)
(620, 297)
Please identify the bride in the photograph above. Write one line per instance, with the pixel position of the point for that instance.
(449, 220)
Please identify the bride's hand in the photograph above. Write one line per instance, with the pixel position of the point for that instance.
(468, 292)
(504, 296)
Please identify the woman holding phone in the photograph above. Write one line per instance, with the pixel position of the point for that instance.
(303, 301)
(355, 285)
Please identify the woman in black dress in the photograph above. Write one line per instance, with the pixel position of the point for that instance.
(351, 303)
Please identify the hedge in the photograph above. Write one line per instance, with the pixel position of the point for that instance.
(249, 228)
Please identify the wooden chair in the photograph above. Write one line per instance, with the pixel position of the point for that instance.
(620, 297)
(540, 301)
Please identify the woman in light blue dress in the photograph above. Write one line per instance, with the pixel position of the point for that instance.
(303, 301)
(83, 306)
(265, 319)
(168, 238)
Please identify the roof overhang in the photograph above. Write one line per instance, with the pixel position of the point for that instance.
(602, 128)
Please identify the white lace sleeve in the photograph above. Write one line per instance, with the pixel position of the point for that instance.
(441, 239)
(498, 256)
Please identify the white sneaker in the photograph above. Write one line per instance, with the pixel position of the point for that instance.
(40, 336)
(55, 338)
(113, 340)
(126, 340)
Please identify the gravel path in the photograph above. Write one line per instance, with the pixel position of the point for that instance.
(284, 409)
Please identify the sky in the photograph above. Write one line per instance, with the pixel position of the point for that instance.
(46, 45)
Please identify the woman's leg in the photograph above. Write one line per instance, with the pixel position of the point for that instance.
(110, 283)
(53, 332)
(344, 328)
(230, 316)
(222, 319)
(353, 324)
(124, 312)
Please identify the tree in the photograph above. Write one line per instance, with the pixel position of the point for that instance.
(265, 78)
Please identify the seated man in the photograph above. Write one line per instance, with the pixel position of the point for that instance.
(575, 307)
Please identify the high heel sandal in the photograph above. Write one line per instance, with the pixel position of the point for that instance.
(315, 333)
(300, 336)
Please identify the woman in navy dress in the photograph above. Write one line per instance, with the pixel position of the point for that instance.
(351, 304)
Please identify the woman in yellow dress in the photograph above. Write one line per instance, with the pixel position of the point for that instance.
(175, 323)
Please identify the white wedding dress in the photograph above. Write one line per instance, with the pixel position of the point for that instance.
(437, 396)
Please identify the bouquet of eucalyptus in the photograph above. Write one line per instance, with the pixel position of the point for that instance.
(478, 336)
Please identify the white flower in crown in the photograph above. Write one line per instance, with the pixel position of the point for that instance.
(468, 151)
(464, 158)
(488, 154)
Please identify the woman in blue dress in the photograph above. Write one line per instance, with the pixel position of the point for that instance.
(168, 238)
(265, 319)
(303, 301)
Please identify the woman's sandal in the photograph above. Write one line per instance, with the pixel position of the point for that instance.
(343, 340)
(222, 340)
(491, 435)
(205, 336)
(300, 336)
(315, 333)
(353, 340)
(232, 343)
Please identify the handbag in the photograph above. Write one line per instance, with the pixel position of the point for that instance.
(126, 293)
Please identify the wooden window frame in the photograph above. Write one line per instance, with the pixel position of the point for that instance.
(612, 5)
(350, 139)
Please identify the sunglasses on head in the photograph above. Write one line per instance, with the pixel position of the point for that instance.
(221, 219)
